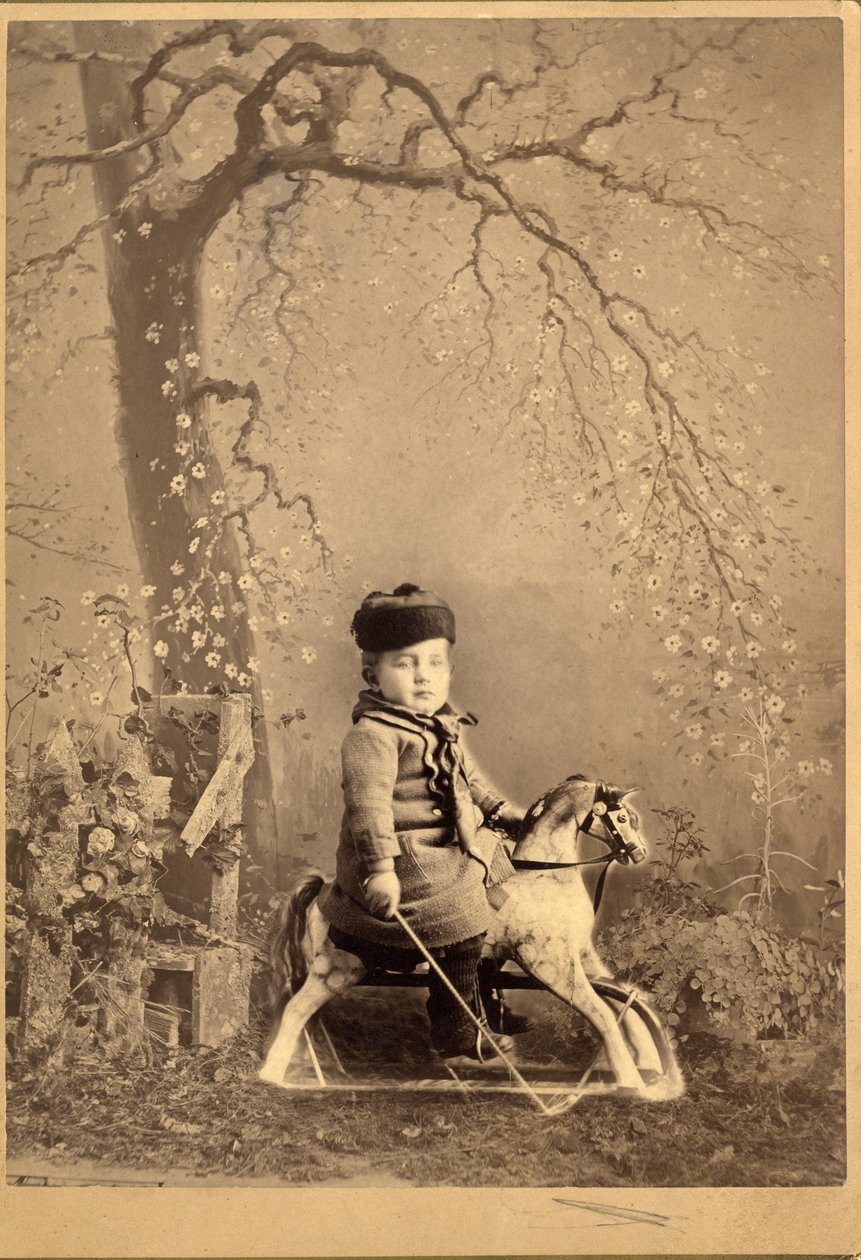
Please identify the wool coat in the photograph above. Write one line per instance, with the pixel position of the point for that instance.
(412, 792)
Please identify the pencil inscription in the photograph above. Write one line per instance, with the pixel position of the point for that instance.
(618, 1215)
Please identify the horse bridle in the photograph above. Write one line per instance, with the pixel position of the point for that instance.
(603, 807)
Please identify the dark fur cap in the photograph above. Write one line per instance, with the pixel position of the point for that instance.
(408, 615)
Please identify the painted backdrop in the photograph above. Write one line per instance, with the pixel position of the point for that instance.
(544, 315)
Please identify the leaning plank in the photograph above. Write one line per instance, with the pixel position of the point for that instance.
(226, 783)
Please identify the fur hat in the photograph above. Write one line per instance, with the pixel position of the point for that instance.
(385, 623)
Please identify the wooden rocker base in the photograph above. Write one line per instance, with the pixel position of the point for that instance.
(546, 1082)
(556, 1078)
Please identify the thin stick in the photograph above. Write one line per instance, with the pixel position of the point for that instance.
(334, 1053)
(473, 1017)
(39, 677)
(565, 1102)
(316, 1062)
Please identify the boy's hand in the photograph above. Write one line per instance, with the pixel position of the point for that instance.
(383, 894)
(508, 818)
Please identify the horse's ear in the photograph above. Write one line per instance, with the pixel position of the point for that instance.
(629, 792)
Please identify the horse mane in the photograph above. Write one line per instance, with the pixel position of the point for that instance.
(559, 804)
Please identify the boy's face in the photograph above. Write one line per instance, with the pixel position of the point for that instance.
(417, 677)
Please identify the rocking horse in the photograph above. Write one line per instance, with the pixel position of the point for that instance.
(544, 920)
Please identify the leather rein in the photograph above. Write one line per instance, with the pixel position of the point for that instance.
(620, 851)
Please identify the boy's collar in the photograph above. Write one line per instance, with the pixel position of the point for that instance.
(447, 717)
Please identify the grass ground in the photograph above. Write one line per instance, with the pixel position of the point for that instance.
(743, 1122)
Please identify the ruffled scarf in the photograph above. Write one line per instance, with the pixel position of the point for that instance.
(447, 777)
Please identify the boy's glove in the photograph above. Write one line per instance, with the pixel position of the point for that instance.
(383, 894)
(506, 817)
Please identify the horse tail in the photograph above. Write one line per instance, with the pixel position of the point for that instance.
(288, 966)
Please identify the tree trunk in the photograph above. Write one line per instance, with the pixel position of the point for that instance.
(152, 259)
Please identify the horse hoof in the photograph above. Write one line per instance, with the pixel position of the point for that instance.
(269, 1077)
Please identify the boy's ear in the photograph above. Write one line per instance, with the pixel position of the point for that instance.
(371, 678)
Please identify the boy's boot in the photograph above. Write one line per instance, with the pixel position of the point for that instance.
(499, 1018)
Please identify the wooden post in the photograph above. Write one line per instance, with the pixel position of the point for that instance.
(220, 991)
(53, 855)
(222, 977)
(221, 972)
(235, 721)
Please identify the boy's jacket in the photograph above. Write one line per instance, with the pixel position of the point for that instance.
(412, 792)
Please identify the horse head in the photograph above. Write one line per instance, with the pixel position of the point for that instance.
(576, 807)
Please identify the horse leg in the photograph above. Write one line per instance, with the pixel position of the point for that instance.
(639, 1039)
(635, 1032)
(333, 971)
(575, 989)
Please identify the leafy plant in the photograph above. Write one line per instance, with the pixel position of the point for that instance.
(682, 841)
(746, 975)
(766, 752)
(830, 939)
(121, 820)
(743, 973)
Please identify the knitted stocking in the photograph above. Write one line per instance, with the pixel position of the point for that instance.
(452, 1031)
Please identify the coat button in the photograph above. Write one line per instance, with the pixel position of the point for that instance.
(437, 813)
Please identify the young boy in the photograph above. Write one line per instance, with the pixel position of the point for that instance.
(412, 837)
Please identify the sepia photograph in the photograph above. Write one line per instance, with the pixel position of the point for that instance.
(425, 609)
